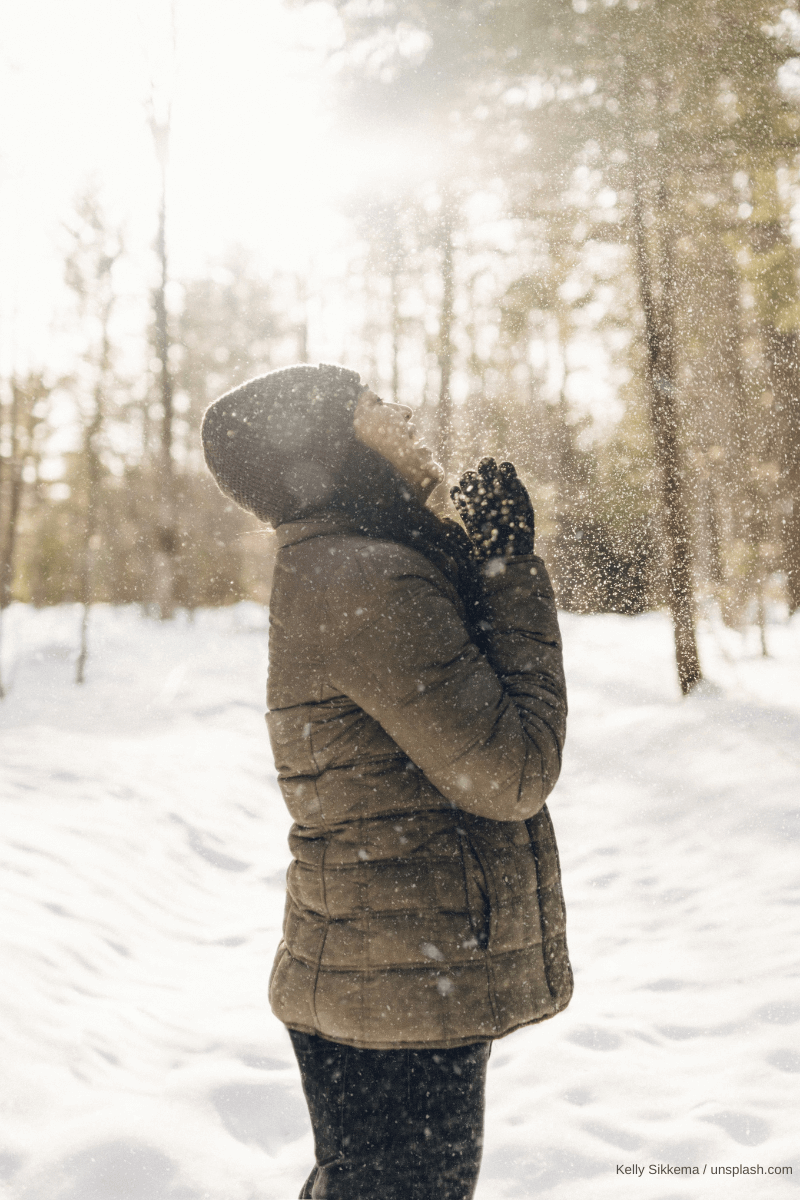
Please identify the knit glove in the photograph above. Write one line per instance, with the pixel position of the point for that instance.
(496, 511)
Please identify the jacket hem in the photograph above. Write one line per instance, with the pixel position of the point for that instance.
(436, 1044)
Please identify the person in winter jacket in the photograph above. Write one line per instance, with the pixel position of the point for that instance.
(417, 714)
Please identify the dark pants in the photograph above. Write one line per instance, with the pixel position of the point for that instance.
(393, 1124)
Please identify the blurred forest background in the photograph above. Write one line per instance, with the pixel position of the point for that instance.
(610, 200)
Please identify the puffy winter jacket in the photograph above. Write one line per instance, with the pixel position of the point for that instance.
(424, 904)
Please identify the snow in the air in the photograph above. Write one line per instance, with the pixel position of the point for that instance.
(143, 854)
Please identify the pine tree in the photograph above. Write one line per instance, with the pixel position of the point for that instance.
(661, 101)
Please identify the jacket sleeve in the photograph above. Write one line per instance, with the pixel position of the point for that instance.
(485, 726)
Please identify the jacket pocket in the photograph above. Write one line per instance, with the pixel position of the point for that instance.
(548, 873)
(476, 890)
(551, 908)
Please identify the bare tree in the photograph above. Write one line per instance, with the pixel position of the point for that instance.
(22, 419)
(166, 534)
(95, 249)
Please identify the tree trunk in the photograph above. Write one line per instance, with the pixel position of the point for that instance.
(90, 526)
(302, 327)
(777, 295)
(660, 372)
(715, 570)
(23, 400)
(783, 353)
(394, 285)
(166, 532)
(14, 496)
(444, 411)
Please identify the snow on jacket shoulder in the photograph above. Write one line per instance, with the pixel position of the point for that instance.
(424, 901)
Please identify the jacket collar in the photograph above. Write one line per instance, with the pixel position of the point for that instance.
(292, 532)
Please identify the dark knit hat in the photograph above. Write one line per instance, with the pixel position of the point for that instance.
(276, 444)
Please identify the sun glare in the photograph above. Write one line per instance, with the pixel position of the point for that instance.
(253, 160)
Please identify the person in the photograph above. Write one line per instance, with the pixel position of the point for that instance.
(417, 713)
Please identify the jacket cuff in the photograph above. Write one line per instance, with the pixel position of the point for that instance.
(525, 573)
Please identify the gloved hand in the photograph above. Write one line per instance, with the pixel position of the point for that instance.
(496, 511)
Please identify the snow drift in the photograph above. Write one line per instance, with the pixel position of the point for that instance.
(143, 863)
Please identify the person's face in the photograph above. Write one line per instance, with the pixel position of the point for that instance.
(387, 429)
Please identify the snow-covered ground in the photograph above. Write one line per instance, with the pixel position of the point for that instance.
(143, 857)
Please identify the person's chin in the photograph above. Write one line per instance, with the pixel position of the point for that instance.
(436, 471)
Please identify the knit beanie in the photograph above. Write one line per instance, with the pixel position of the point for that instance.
(276, 445)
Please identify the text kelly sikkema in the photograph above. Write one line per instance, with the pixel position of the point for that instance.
(667, 1169)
